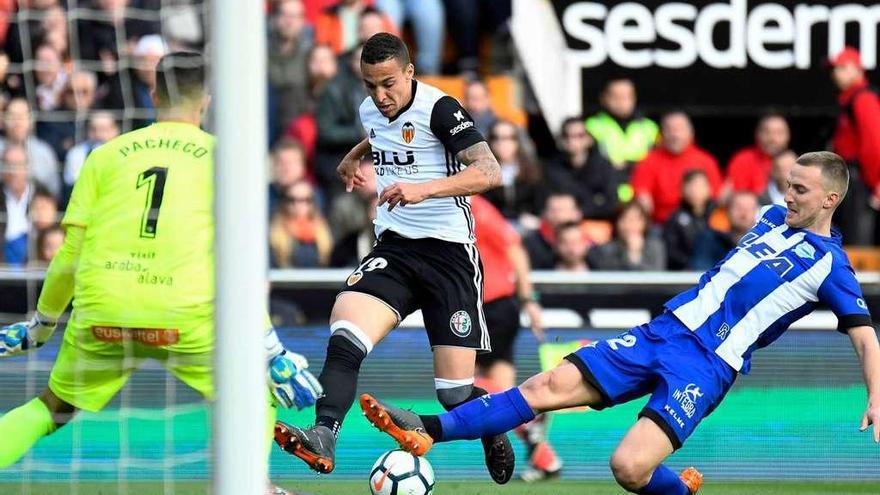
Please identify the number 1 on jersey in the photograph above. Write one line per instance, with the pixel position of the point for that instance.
(154, 180)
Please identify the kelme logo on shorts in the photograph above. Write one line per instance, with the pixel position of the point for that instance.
(460, 323)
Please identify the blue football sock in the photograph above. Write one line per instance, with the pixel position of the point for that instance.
(486, 416)
(664, 482)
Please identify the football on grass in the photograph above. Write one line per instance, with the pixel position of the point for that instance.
(400, 473)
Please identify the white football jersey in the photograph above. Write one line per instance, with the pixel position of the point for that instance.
(418, 145)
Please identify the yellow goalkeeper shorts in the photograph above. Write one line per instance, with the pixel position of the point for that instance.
(95, 362)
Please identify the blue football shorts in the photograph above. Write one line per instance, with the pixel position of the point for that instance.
(662, 358)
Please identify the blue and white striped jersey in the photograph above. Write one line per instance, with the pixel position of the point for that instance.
(776, 275)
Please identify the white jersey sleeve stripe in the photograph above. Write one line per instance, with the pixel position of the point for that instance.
(783, 300)
(708, 300)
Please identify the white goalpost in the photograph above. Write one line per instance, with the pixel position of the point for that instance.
(238, 59)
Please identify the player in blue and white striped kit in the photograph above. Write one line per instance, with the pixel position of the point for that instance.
(688, 357)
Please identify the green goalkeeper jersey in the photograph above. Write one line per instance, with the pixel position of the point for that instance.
(145, 200)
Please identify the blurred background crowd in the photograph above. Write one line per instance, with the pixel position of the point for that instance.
(614, 189)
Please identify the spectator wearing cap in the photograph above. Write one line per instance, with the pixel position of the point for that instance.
(857, 140)
(289, 43)
(749, 168)
(43, 163)
(581, 169)
(688, 222)
(713, 245)
(14, 199)
(339, 25)
(657, 179)
(139, 81)
(427, 19)
(623, 134)
(778, 183)
(478, 103)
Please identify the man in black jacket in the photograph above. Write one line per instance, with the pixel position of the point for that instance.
(582, 170)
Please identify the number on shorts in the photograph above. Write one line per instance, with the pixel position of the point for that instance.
(625, 340)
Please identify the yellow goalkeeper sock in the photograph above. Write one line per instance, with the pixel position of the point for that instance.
(21, 428)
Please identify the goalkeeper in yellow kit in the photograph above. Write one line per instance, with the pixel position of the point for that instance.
(138, 262)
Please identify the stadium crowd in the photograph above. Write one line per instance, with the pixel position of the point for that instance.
(622, 191)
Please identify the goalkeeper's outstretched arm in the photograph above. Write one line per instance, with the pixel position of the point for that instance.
(25, 336)
(58, 287)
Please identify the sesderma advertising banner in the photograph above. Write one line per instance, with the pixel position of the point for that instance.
(734, 56)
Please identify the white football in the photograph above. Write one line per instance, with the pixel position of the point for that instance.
(400, 473)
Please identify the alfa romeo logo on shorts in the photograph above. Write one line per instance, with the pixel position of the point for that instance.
(460, 323)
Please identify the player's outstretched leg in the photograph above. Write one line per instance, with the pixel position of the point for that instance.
(23, 426)
(359, 321)
(636, 463)
(692, 478)
(316, 446)
(493, 414)
(405, 427)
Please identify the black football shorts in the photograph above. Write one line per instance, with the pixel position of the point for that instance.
(443, 279)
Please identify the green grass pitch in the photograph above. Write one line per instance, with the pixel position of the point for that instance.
(330, 487)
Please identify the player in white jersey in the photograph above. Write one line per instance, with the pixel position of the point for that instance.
(688, 357)
(428, 159)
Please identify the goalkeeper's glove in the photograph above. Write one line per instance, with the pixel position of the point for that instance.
(290, 381)
(25, 336)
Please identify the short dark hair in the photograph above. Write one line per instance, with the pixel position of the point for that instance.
(693, 174)
(180, 75)
(384, 46)
(834, 169)
(617, 79)
(572, 120)
(771, 113)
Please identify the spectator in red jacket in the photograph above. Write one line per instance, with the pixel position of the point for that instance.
(857, 140)
(749, 168)
(657, 178)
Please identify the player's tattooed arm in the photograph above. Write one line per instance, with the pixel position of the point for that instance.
(479, 157)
